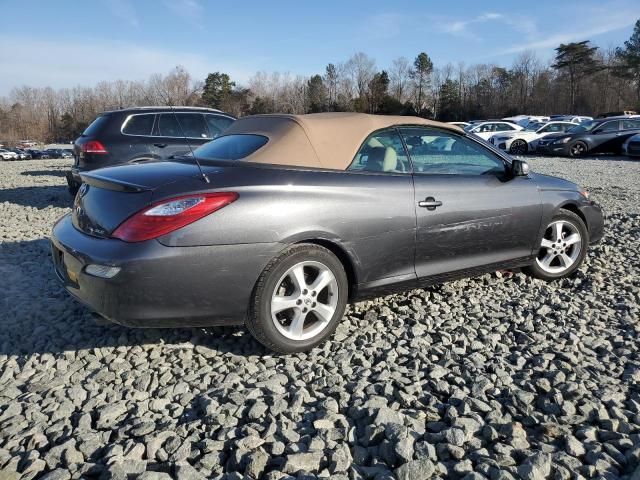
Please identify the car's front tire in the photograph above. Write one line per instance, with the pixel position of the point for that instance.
(562, 248)
(519, 147)
(578, 149)
(299, 299)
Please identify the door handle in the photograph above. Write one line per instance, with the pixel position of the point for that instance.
(160, 145)
(430, 203)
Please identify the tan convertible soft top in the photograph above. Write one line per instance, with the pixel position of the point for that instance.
(324, 140)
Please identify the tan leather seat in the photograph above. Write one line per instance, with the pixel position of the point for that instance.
(382, 159)
(390, 162)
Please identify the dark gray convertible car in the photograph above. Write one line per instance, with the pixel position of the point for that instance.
(288, 218)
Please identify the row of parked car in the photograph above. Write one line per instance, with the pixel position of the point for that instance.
(572, 136)
(30, 154)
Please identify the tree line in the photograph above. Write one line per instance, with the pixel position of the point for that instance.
(581, 79)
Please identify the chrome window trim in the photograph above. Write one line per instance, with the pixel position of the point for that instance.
(176, 113)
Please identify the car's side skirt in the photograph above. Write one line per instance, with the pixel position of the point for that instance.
(370, 290)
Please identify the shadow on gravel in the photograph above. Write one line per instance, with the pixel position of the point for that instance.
(38, 197)
(39, 316)
(45, 173)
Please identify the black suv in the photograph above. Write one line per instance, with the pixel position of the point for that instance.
(142, 134)
(603, 135)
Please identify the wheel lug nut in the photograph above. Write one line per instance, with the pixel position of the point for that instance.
(298, 302)
(304, 310)
(313, 305)
(305, 291)
(313, 294)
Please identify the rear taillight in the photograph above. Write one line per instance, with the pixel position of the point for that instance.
(171, 214)
(93, 146)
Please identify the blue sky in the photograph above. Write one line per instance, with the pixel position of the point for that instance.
(67, 43)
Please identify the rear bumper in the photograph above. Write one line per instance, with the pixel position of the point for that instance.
(160, 286)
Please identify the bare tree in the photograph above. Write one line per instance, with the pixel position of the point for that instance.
(399, 75)
(361, 67)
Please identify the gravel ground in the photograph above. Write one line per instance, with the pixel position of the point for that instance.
(498, 377)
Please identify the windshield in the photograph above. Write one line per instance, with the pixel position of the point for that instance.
(532, 127)
(468, 128)
(231, 147)
(583, 127)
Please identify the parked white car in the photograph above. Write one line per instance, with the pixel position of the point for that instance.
(525, 141)
(577, 119)
(7, 155)
(631, 146)
(486, 130)
(526, 120)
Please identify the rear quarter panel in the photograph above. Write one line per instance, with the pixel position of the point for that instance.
(369, 216)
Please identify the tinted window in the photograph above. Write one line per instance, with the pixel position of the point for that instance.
(190, 125)
(443, 153)
(231, 147)
(96, 125)
(556, 127)
(217, 124)
(138, 125)
(629, 124)
(381, 152)
(609, 126)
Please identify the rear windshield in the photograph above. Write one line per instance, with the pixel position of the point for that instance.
(96, 126)
(231, 147)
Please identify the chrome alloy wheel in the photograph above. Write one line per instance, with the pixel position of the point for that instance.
(560, 248)
(304, 300)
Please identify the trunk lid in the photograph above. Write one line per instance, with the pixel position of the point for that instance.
(109, 196)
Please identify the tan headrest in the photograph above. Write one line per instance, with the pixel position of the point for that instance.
(390, 160)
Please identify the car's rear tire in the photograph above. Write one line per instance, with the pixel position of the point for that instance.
(299, 299)
(578, 149)
(563, 247)
(518, 147)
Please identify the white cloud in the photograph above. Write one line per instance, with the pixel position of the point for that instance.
(595, 23)
(124, 10)
(384, 25)
(461, 27)
(189, 10)
(40, 63)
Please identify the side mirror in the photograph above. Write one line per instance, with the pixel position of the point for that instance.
(519, 168)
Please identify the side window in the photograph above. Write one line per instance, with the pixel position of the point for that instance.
(217, 124)
(609, 127)
(381, 152)
(138, 124)
(443, 153)
(630, 124)
(191, 125)
(167, 126)
(504, 127)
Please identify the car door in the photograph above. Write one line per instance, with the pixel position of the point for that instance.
(138, 144)
(605, 137)
(177, 133)
(380, 175)
(630, 127)
(469, 211)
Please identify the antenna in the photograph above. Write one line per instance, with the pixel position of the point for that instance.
(204, 175)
